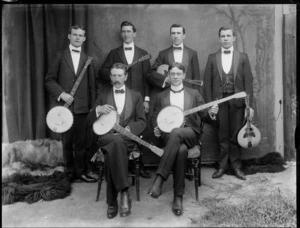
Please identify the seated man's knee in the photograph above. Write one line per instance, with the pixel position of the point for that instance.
(176, 132)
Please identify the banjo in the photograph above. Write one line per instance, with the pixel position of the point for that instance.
(59, 119)
(163, 69)
(171, 117)
(249, 136)
(108, 121)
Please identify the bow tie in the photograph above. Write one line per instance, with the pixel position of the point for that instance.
(120, 91)
(128, 49)
(226, 51)
(75, 50)
(177, 48)
(177, 91)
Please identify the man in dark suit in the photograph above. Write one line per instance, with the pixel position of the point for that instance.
(179, 140)
(128, 105)
(59, 82)
(178, 52)
(127, 53)
(227, 72)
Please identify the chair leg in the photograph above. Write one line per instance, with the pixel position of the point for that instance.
(199, 175)
(137, 178)
(196, 176)
(100, 178)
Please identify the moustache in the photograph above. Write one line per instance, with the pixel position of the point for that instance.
(115, 83)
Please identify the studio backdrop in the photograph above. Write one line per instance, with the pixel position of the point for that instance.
(32, 34)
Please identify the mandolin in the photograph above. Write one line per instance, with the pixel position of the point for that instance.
(249, 136)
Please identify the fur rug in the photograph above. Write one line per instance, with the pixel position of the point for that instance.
(37, 157)
(30, 189)
(33, 170)
(272, 162)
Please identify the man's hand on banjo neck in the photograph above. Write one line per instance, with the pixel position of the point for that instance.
(67, 98)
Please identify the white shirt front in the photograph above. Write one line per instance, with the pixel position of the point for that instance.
(227, 59)
(177, 99)
(129, 54)
(178, 53)
(75, 56)
(119, 99)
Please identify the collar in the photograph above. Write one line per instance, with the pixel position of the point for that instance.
(177, 88)
(123, 87)
(128, 45)
(180, 45)
(74, 48)
(229, 49)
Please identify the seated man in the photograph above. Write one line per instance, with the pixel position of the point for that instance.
(179, 140)
(130, 114)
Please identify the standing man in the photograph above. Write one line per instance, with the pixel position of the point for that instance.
(227, 72)
(127, 53)
(179, 140)
(59, 82)
(178, 52)
(130, 115)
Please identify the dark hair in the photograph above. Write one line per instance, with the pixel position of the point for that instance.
(180, 66)
(224, 28)
(128, 23)
(120, 66)
(76, 27)
(177, 26)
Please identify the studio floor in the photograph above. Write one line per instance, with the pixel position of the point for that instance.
(81, 210)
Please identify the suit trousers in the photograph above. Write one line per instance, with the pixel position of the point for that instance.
(175, 154)
(230, 120)
(73, 142)
(115, 148)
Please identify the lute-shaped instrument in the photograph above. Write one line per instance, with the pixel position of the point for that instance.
(108, 121)
(249, 136)
(171, 117)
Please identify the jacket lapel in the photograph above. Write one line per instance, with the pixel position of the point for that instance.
(187, 100)
(170, 56)
(219, 63)
(236, 58)
(121, 53)
(110, 98)
(128, 106)
(185, 58)
(68, 58)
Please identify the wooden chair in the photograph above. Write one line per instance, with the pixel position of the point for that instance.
(133, 156)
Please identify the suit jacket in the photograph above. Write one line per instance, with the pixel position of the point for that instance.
(190, 61)
(134, 115)
(137, 73)
(61, 77)
(242, 77)
(192, 98)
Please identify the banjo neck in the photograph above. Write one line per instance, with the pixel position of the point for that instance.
(207, 105)
(123, 131)
(75, 87)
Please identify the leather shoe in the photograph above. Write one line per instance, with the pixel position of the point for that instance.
(177, 205)
(145, 174)
(125, 204)
(155, 190)
(112, 211)
(86, 178)
(239, 174)
(219, 173)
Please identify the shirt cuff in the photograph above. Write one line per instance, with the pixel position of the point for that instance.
(213, 117)
(147, 98)
(58, 99)
(97, 111)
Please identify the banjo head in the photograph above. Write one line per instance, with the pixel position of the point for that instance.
(59, 119)
(105, 123)
(169, 118)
